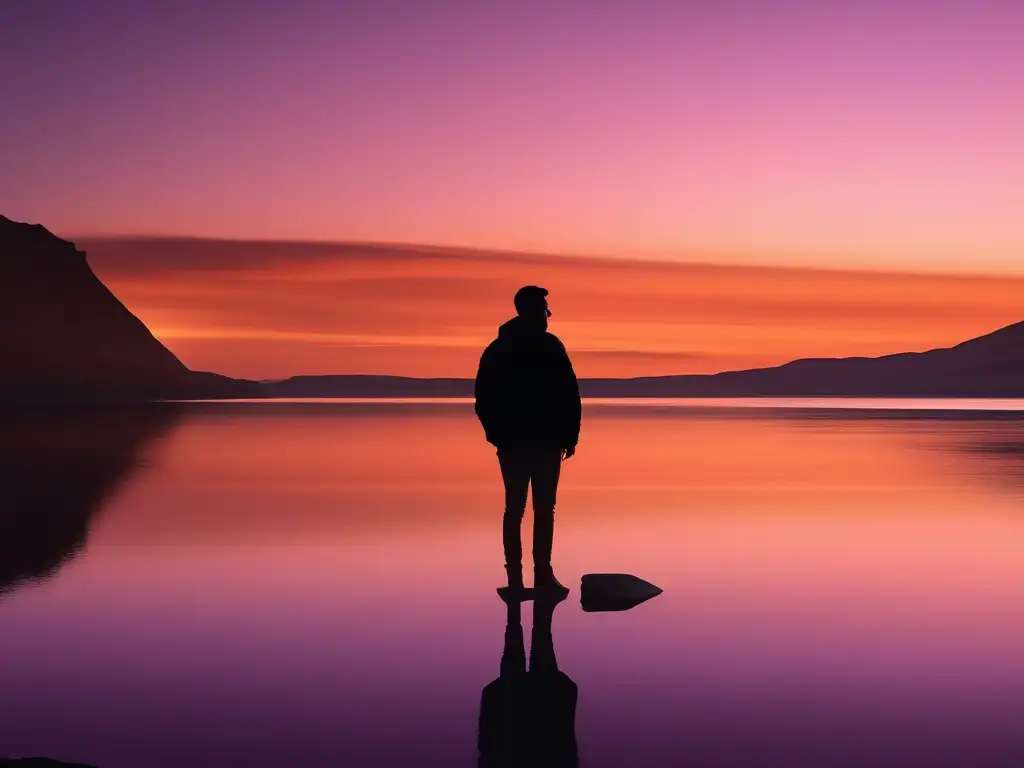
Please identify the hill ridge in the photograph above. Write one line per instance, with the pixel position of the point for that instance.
(991, 365)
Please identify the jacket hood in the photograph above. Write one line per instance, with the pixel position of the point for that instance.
(517, 327)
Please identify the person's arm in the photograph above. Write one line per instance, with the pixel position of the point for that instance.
(484, 392)
(573, 404)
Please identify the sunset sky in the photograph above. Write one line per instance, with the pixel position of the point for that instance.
(789, 137)
(269, 310)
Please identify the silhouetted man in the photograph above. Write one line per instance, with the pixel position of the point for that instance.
(528, 401)
(528, 718)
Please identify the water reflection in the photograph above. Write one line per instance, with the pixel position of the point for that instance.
(287, 584)
(993, 456)
(57, 468)
(528, 716)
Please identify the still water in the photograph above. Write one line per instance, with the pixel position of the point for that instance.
(277, 584)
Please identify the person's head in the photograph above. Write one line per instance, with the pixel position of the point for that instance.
(532, 304)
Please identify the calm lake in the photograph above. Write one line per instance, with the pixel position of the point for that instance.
(313, 584)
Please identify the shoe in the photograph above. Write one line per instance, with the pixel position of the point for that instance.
(546, 600)
(546, 580)
(512, 595)
(515, 589)
(515, 576)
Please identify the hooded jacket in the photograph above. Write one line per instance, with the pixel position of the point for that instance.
(526, 390)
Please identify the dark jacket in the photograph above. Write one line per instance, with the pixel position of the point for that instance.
(526, 390)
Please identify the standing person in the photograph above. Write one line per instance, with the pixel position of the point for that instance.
(528, 401)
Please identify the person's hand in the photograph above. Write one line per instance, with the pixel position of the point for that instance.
(568, 453)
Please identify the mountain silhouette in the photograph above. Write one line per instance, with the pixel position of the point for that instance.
(65, 337)
(360, 385)
(988, 366)
(57, 467)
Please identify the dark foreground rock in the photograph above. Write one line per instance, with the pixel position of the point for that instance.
(41, 762)
(614, 591)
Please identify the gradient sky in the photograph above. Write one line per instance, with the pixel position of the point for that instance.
(782, 138)
(874, 133)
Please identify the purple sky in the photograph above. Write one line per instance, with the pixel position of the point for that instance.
(868, 133)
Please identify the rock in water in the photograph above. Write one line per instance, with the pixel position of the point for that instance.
(40, 762)
(614, 591)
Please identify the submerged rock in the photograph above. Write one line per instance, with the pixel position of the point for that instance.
(614, 591)
(40, 762)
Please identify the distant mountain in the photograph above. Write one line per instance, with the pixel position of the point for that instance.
(65, 337)
(363, 386)
(988, 366)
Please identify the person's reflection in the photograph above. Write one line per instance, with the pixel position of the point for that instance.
(528, 717)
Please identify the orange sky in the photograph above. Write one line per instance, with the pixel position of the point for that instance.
(271, 310)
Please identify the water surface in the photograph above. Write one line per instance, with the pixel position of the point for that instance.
(271, 584)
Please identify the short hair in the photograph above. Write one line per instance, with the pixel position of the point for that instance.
(529, 296)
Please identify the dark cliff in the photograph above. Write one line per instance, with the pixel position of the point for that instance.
(64, 337)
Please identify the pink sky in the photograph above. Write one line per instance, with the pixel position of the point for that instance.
(851, 134)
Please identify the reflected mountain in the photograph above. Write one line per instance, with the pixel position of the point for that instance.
(988, 444)
(57, 468)
(528, 716)
(995, 458)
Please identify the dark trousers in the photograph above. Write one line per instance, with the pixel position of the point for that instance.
(522, 468)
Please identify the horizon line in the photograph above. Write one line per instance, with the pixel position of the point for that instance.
(639, 378)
